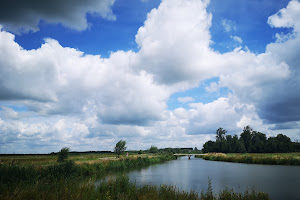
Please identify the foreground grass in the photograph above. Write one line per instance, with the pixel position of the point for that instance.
(253, 158)
(117, 189)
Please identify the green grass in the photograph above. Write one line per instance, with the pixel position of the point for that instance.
(78, 158)
(50, 158)
(12, 172)
(117, 189)
(255, 158)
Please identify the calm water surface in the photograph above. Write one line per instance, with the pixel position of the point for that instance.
(281, 182)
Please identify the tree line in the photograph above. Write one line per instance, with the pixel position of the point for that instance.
(250, 141)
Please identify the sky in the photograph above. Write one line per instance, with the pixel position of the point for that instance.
(85, 74)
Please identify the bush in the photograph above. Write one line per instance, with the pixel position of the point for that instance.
(153, 149)
(63, 154)
(58, 171)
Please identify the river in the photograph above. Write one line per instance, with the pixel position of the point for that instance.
(280, 182)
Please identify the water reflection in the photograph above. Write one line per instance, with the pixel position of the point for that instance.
(281, 182)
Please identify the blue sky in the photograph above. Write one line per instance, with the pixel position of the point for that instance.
(165, 73)
(106, 35)
(247, 19)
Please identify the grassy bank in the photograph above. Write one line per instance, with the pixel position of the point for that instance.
(117, 189)
(253, 158)
(14, 172)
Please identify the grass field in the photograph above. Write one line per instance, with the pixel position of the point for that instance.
(78, 158)
(256, 158)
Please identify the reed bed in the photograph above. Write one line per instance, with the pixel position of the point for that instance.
(49, 159)
(118, 189)
(16, 172)
(254, 158)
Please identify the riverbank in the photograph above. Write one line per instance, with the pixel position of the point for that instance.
(77, 181)
(14, 171)
(19, 178)
(117, 189)
(254, 158)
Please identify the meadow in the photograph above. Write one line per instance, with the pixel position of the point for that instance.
(255, 158)
(48, 159)
(41, 177)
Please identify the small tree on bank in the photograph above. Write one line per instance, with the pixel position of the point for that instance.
(153, 149)
(63, 154)
(120, 147)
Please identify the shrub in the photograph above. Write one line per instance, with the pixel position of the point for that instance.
(63, 154)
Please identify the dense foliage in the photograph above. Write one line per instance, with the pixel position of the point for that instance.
(250, 141)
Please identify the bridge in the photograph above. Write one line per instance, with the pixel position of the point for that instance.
(188, 154)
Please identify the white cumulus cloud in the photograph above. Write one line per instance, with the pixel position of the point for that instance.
(89, 103)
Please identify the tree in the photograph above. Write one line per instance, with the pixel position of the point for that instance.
(279, 144)
(120, 147)
(209, 146)
(258, 142)
(236, 145)
(153, 149)
(296, 146)
(220, 134)
(246, 137)
(250, 141)
(228, 144)
(63, 154)
(221, 140)
(284, 143)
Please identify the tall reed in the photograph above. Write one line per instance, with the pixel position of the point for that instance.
(249, 158)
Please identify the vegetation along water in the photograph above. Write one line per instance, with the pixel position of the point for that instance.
(73, 177)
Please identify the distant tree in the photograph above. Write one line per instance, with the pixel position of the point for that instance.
(63, 154)
(237, 146)
(250, 141)
(246, 137)
(281, 144)
(272, 145)
(228, 144)
(220, 134)
(120, 147)
(284, 143)
(221, 140)
(195, 149)
(209, 146)
(153, 149)
(170, 150)
(296, 146)
(258, 142)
